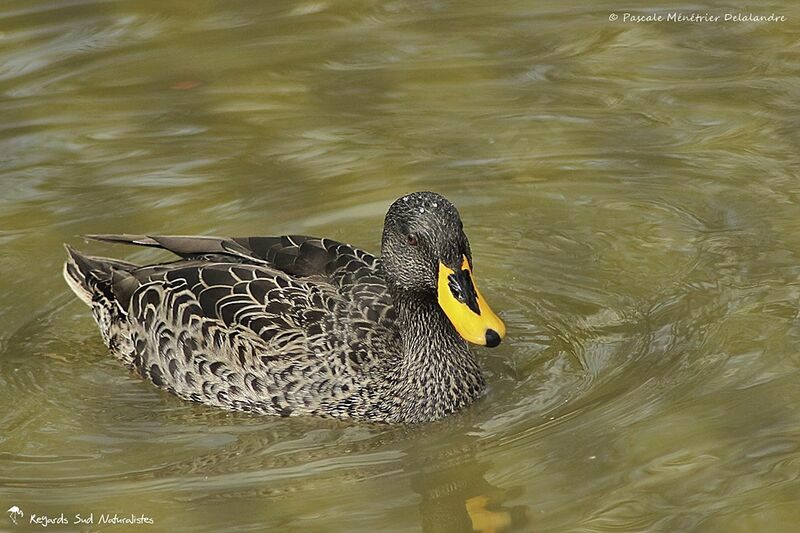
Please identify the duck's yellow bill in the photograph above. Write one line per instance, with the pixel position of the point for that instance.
(463, 304)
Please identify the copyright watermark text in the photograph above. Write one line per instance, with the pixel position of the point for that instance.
(693, 17)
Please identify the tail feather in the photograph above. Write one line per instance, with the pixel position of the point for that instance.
(185, 246)
(87, 276)
(77, 282)
(125, 238)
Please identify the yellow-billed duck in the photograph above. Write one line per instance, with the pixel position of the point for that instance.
(297, 325)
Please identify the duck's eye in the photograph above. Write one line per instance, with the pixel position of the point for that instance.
(411, 239)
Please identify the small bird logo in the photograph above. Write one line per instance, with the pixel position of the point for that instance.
(15, 512)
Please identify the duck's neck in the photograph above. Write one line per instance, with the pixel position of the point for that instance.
(437, 374)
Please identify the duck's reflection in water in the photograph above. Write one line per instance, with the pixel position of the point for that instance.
(457, 497)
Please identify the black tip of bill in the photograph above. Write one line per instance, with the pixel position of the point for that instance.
(492, 338)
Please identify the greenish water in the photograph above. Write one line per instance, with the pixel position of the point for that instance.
(631, 191)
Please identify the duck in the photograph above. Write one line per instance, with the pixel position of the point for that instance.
(296, 325)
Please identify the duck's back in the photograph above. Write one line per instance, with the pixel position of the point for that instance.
(275, 325)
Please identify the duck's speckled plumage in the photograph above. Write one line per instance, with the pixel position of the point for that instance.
(292, 325)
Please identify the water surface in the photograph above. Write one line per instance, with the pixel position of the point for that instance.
(630, 190)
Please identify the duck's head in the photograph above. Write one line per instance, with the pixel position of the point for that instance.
(426, 254)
